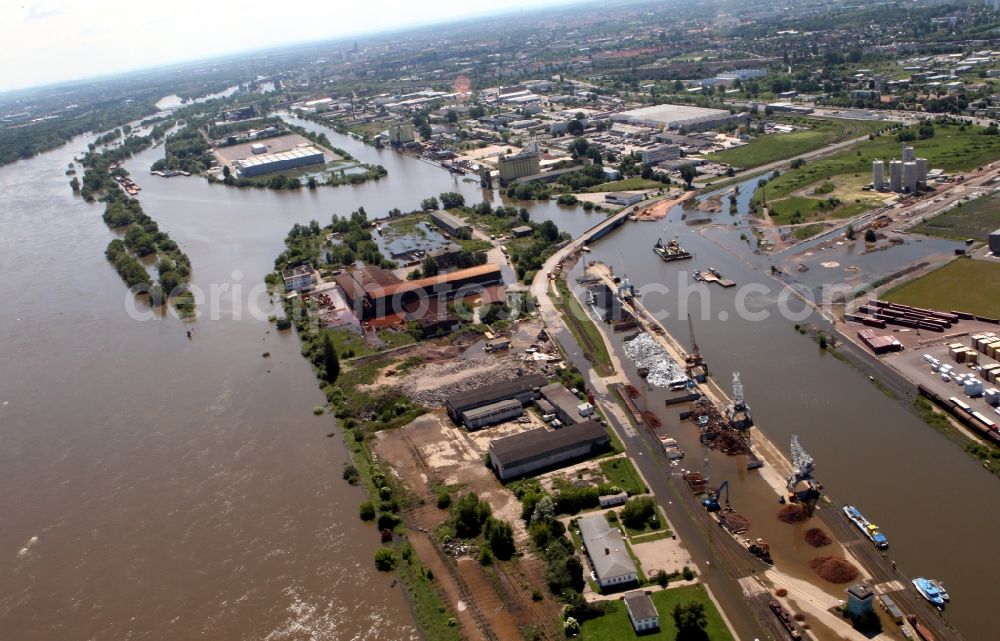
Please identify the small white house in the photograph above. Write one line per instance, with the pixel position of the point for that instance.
(641, 611)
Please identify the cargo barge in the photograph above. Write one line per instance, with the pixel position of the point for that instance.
(671, 251)
(869, 529)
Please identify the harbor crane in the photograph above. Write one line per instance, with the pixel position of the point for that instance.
(694, 358)
(802, 468)
(738, 412)
(712, 502)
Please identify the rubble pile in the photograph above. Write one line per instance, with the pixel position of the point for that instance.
(481, 372)
(646, 353)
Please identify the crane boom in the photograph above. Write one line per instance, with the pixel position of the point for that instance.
(694, 344)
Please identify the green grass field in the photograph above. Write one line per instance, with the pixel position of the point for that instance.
(621, 472)
(808, 231)
(951, 148)
(974, 219)
(614, 625)
(771, 147)
(964, 284)
(583, 330)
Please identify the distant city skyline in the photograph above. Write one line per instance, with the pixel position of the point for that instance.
(51, 41)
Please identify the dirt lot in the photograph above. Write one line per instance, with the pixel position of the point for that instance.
(430, 452)
(665, 554)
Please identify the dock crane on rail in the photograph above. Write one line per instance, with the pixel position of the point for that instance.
(694, 358)
(802, 468)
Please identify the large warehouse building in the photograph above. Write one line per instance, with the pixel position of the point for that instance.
(521, 389)
(259, 164)
(377, 293)
(680, 117)
(539, 449)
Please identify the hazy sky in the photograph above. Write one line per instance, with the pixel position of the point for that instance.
(48, 41)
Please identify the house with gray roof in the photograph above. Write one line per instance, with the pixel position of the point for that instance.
(641, 611)
(605, 547)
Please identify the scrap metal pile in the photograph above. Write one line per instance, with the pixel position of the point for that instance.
(433, 384)
(716, 431)
(648, 354)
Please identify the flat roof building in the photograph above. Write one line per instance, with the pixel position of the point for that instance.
(299, 278)
(259, 163)
(622, 198)
(538, 449)
(685, 117)
(994, 242)
(564, 401)
(606, 550)
(521, 388)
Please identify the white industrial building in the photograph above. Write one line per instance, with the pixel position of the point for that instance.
(660, 153)
(686, 117)
(259, 164)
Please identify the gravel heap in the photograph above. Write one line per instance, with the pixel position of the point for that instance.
(644, 351)
(834, 569)
(817, 538)
(792, 514)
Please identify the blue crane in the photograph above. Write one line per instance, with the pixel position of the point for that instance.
(712, 502)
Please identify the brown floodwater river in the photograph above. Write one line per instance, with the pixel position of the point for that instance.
(157, 487)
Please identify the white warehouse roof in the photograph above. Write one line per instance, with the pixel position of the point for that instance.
(673, 116)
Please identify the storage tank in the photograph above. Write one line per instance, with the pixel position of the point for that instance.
(910, 177)
(895, 176)
(878, 175)
(922, 170)
(907, 153)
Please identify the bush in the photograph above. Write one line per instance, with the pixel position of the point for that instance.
(687, 573)
(443, 499)
(500, 538)
(385, 560)
(366, 511)
(638, 512)
(351, 474)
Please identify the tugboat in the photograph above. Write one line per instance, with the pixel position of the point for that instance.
(671, 251)
(929, 590)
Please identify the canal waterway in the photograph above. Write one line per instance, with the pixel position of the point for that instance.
(157, 486)
(933, 501)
